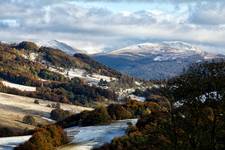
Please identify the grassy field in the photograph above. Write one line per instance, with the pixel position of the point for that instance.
(13, 108)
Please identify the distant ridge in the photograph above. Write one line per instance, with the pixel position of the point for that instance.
(155, 60)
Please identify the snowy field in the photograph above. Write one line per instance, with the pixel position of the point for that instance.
(83, 138)
(86, 138)
(10, 142)
(19, 87)
(91, 79)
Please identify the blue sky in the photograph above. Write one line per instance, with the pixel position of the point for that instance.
(126, 6)
(110, 24)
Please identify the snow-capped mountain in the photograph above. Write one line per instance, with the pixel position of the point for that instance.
(155, 60)
(163, 51)
(60, 45)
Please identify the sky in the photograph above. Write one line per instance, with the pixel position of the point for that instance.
(104, 25)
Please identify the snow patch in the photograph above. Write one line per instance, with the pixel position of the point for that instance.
(212, 95)
(99, 77)
(61, 46)
(48, 119)
(163, 51)
(19, 87)
(24, 56)
(33, 56)
(30, 56)
(72, 73)
(86, 138)
(137, 98)
(9, 143)
(166, 50)
(91, 79)
(124, 92)
(137, 83)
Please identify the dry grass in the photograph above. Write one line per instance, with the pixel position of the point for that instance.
(13, 108)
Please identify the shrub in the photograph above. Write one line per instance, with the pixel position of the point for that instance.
(55, 105)
(97, 117)
(161, 100)
(45, 138)
(59, 114)
(36, 101)
(48, 75)
(102, 83)
(29, 120)
(118, 112)
(104, 115)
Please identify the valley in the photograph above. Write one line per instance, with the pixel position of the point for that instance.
(112, 75)
(50, 99)
(86, 138)
(82, 138)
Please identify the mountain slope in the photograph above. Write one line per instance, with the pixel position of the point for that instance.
(60, 45)
(155, 60)
(51, 74)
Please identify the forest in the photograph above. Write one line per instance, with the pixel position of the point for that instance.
(196, 116)
(105, 115)
(185, 113)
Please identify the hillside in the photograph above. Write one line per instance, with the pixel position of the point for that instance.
(183, 113)
(51, 74)
(155, 60)
(194, 120)
(13, 108)
(59, 45)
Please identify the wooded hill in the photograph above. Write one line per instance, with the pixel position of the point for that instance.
(47, 69)
(195, 120)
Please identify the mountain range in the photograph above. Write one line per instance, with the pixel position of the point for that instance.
(151, 61)
(155, 60)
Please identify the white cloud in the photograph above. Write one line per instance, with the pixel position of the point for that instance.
(97, 28)
(208, 14)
